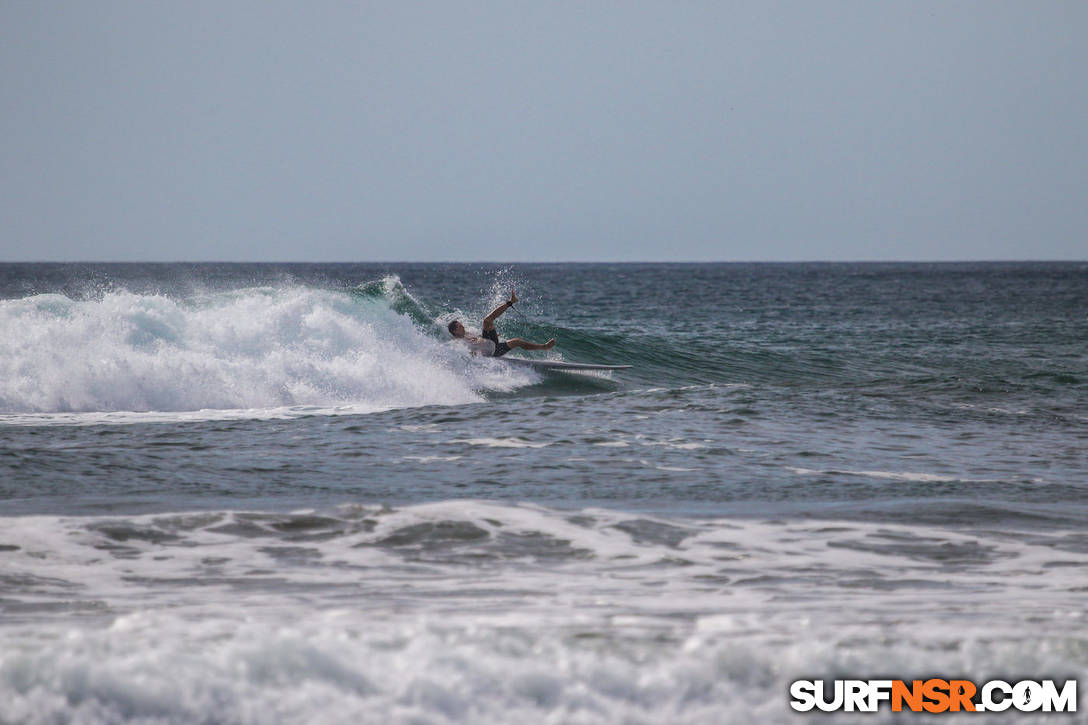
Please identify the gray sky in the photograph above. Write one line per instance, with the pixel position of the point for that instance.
(543, 131)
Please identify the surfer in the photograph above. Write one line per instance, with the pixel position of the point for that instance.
(488, 343)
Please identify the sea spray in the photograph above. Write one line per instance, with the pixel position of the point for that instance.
(255, 348)
(810, 472)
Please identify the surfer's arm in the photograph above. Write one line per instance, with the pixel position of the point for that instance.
(489, 321)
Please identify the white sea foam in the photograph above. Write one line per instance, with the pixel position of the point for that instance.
(672, 443)
(481, 612)
(267, 352)
(501, 442)
(675, 443)
(892, 475)
(465, 611)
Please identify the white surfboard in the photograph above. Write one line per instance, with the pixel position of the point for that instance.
(558, 365)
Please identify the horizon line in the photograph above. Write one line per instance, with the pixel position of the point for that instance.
(560, 262)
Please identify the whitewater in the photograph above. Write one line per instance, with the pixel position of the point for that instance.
(261, 350)
(282, 493)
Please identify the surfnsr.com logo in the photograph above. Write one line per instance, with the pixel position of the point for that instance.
(933, 695)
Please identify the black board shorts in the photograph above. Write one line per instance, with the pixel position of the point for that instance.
(501, 348)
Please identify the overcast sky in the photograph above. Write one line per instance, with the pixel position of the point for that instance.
(543, 131)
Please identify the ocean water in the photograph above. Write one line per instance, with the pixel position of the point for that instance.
(282, 493)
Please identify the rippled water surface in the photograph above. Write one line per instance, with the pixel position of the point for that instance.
(257, 493)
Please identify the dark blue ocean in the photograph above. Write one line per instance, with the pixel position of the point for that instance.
(239, 493)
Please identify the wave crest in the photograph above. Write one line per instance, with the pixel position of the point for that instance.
(257, 348)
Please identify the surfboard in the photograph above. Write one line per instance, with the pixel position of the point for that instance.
(559, 365)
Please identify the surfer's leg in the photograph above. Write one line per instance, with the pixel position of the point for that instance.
(526, 345)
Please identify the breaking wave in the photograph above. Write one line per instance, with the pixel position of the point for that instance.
(255, 349)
